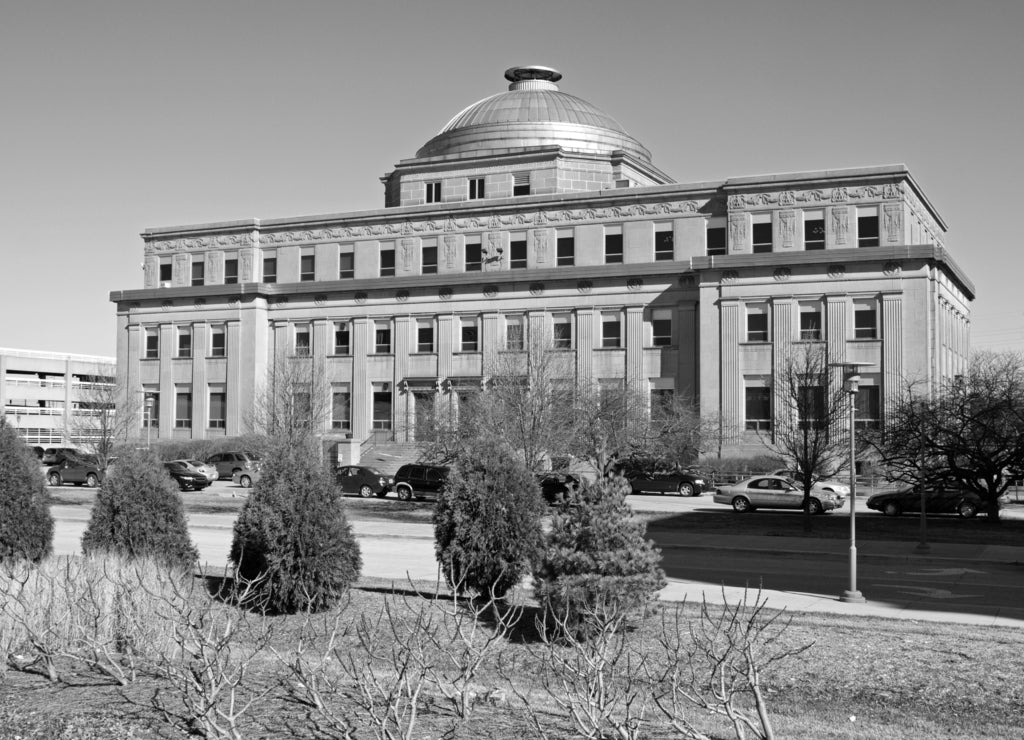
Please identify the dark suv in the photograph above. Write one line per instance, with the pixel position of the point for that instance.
(419, 480)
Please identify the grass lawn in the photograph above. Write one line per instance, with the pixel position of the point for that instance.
(861, 678)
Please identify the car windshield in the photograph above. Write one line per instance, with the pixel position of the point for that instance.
(373, 471)
(196, 463)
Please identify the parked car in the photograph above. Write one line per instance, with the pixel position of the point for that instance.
(773, 492)
(245, 478)
(187, 478)
(78, 470)
(554, 487)
(683, 482)
(945, 500)
(362, 480)
(199, 466)
(228, 463)
(822, 485)
(420, 480)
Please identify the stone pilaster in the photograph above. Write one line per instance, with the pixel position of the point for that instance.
(636, 376)
(585, 329)
(235, 422)
(492, 340)
(362, 396)
(892, 349)
(731, 393)
(200, 392)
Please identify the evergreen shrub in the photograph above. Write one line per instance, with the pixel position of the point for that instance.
(487, 523)
(292, 536)
(26, 527)
(598, 561)
(139, 513)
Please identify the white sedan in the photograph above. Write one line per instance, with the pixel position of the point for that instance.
(797, 477)
(774, 492)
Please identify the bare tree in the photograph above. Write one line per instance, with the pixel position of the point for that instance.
(810, 425)
(295, 402)
(105, 415)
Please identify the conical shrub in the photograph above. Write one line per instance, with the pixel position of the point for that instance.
(598, 563)
(26, 526)
(292, 536)
(487, 523)
(139, 514)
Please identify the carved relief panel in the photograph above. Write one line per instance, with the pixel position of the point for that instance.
(893, 222)
(451, 251)
(739, 232)
(407, 253)
(149, 279)
(182, 265)
(542, 248)
(787, 227)
(839, 225)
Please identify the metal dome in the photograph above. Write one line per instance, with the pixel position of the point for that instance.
(533, 112)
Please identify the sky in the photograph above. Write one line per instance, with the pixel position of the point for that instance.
(120, 115)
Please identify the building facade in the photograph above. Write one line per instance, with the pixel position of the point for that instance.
(47, 396)
(534, 214)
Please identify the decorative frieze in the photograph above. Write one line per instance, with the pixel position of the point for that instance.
(785, 198)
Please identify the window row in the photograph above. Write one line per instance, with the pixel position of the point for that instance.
(758, 407)
(216, 344)
(811, 327)
(763, 232)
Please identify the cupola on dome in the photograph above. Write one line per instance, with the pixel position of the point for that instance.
(533, 112)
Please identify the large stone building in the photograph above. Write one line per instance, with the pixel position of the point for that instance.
(533, 213)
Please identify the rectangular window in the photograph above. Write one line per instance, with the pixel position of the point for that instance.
(382, 337)
(758, 403)
(425, 335)
(218, 347)
(470, 336)
(303, 340)
(520, 183)
(661, 327)
(515, 333)
(198, 272)
(346, 266)
(387, 263)
(307, 268)
(184, 341)
(341, 409)
(476, 188)
(867, 227)
(664, 246)
(166, 272)
(231, 271)
(612, 249)
(757, 323)
(662, 400)
(814, 230)
(270, 269)
(381, 406)
(716, 240)
(517, 254)
(429, 260)
(561, 331)
(152, 344)
(433, 191)
(810, 323)
(474, 258)
(341, 338)
(218, 409)
(865, 322)
(183, 410)
(869, 407)
(762, 234)
(566, 251)
(611, 330)
(810, 407)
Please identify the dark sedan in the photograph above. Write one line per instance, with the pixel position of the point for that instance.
(945, 500)
(684, 483)
(187, 478)
(361, 480)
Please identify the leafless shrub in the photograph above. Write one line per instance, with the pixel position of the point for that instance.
(716, 662)
(215, 645)
(592, 677)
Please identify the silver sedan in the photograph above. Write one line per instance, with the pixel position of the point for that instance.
(773, 492)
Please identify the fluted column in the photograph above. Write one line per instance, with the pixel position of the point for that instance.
(892, 349)
(732, 375)
(585, 320)
(362, 397)
(636, 375)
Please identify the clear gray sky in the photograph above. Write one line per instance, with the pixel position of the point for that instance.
(118, 115)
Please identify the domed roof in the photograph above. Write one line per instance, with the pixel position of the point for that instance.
(533, 112)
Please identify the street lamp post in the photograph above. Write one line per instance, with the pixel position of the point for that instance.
(852, 379)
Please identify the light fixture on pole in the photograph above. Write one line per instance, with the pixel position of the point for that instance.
(851, 379)
(149, 418)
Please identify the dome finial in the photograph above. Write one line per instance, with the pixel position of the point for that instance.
(532, 77)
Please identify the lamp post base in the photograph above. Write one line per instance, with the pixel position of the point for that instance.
(853, 597)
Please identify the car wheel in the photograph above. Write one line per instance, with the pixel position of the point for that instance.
(814, 506)
(741, 504)
(53, 479)
(92, 480)
(967, 509)
(244, 481)
(404, 493)
(891, 508)
(365, 491)
(685, 489)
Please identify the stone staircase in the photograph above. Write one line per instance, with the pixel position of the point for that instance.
(388, 457)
